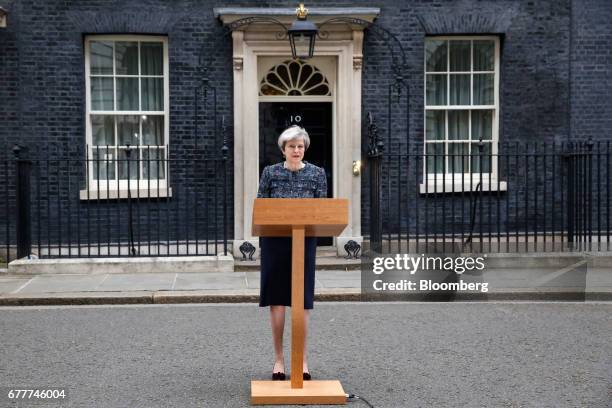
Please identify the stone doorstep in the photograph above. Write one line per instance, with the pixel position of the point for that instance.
(322, 263)
(178, 264)
(187, 264)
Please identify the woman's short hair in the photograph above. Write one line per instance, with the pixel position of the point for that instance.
(292, 133)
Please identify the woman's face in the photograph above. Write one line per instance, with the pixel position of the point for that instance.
(294, 151)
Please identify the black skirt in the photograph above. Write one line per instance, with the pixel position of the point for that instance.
(275, 285)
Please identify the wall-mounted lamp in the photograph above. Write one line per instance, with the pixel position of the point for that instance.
(302, 35)
(356, 167)
(3, 14)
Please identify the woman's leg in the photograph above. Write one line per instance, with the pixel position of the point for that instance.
(277, 320)
(306, 319)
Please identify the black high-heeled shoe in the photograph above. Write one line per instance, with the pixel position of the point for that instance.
(278, 376)
(306, 376)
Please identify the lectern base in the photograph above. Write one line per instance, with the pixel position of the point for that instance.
(314, 392)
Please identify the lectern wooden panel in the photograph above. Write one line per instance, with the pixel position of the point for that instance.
(321, 217)
(298, 218)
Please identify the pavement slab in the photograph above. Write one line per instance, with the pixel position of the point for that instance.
(9, 285)
(573, 282)
(63, 283)
(137, 281)
(191, 281)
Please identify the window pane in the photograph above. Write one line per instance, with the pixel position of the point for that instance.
(101, 93)
(478, 158)
(294, 71)
(304, 75)
(319, 90)
(302, 45)
(458, 125)
(484, 54)
(127, 93)
(153, 163)
(316, 79)
(435, 55)
(151, 58)
(102, 130)
(152, 130)
(128, 166)
(103, 164)
(436, 90)
(268, 90)
(459, 55)
(126, 54)
(460, 89)
(458, 157)
(152, 94)
(128, 130)
(483, 89)
(101, 61)
(282, 78)
(435, 125)
(482, 124)
(435, 157)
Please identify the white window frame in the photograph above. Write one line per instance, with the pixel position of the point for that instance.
(457, 182)
(112, 189)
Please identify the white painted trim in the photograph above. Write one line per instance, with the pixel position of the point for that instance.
(449, 187)
(322, 65)
(239, 153)
(122, 184)
(464, 37)
(460, 107)
(346, 118)
(136, 193)
(495, 107)
(296, 98)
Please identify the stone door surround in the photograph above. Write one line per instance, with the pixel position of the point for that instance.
(343, 44)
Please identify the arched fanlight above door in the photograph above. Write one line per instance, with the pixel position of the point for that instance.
(294, 78)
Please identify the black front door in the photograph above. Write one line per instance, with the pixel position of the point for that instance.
(315, 117)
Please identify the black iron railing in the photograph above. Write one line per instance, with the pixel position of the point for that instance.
(522, 197)
(539, 197)
(138, 204)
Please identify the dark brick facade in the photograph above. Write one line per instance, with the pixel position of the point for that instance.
(591, 70)
(556, 58)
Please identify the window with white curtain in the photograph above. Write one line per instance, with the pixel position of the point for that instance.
(127, 109)
(461, 109)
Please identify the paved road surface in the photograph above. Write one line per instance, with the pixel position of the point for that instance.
(394, 354)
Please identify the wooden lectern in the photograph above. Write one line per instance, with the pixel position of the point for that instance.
(298, 218)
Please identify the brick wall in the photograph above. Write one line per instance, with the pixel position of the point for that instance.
(591, 65)
(42, 79)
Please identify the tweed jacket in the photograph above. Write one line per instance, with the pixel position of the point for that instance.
(278, 182)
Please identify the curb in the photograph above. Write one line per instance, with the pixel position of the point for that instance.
(129, 298)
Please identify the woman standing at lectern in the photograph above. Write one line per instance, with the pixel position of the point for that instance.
(292, 178)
